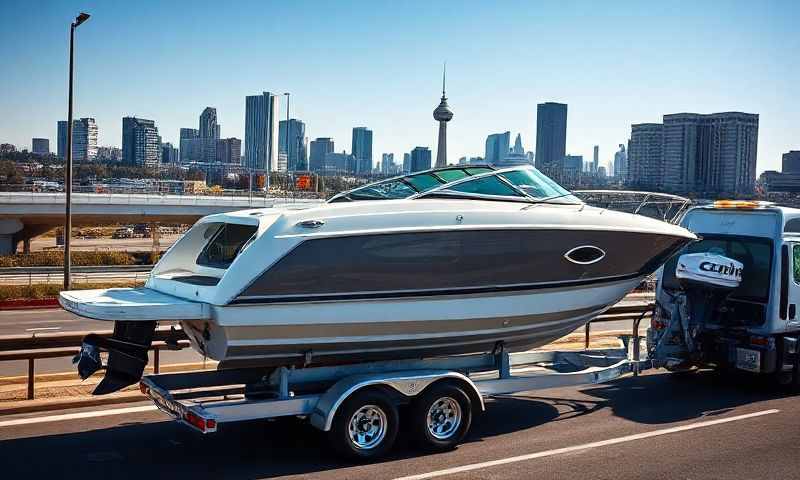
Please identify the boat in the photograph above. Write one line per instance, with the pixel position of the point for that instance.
(452, 260)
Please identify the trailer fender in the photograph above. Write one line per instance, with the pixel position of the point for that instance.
(409, 384)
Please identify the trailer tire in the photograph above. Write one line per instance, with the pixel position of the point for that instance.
(440, 417)
(365, 425)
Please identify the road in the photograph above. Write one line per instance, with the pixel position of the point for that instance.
(655, 426)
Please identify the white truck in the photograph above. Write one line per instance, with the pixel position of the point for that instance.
(729, 301)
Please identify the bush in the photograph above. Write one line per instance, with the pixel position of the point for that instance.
(39, 291)
(54, 258)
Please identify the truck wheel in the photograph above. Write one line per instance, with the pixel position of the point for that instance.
(440, 417)
(365, 426)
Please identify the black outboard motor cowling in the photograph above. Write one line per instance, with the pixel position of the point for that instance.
(127, 355)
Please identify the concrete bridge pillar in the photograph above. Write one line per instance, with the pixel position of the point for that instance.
(8, 229)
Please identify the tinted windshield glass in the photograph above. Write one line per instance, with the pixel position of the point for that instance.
(534, 183)
(225, 245)
(754, 253)
(451, 175)
(383, 191)
(485, 186)
(424, 182)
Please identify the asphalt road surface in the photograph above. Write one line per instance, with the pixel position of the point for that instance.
(655, 426)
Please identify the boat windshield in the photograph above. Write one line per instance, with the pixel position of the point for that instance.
(522, 183)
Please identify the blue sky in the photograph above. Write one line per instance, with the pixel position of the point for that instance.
(378, 64)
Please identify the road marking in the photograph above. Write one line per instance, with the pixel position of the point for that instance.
(40, 329)
(585, 446)
(76, 416)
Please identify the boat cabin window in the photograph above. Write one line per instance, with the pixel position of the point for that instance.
(227, 240)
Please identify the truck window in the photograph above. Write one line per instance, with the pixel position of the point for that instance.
(755, 253)
(796, 263)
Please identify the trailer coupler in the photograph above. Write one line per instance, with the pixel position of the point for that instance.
(127, 355)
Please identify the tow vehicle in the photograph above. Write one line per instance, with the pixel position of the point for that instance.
(730, 300)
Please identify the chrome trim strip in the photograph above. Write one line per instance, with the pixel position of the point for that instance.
(572, 250)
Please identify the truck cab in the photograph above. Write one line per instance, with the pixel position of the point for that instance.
(753, 326)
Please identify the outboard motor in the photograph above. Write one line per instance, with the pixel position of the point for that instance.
(706, 280)
(127, 355)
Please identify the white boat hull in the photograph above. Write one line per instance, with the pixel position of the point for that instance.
(319, 333)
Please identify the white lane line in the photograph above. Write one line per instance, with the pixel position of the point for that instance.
(76, 416)
(585, 446)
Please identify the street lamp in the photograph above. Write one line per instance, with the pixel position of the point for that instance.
(68, 167)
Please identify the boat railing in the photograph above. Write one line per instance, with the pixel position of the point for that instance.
(663, 206)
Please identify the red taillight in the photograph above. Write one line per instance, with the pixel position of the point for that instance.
(202, 424)
(760, 341)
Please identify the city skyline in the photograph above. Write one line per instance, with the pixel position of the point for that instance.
(717, 66)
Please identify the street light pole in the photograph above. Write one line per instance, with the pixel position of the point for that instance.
(68, 167)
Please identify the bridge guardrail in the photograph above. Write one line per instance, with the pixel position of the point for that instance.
(67, 344)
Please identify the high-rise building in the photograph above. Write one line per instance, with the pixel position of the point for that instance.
(40, 146)
(140, 142)
(406, 163)
(169, 154)
(791, 162)
(551, 134)
(646, 155)
(109, 154)
(261, 132)
(296, 158)
(420, 159)
(191, 147)
(621, 163)
(84, 140)
(387, 164)
(711, 154)
(209, 134)
(596, 159)
(339, 163)
(229, 150)
(362, 149)
(442, 114)
(516, 156)
(317, 151)
(497, 147)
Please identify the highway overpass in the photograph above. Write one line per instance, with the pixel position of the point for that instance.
(24, 215)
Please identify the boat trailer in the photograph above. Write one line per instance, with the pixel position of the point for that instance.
(357, 404)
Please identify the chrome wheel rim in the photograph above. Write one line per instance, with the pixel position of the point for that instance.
(367, 427)
(444, 418)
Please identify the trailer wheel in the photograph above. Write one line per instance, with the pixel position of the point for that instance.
(440, 417)
(365, 425)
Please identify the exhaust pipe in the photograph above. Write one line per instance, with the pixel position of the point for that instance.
(127, 355)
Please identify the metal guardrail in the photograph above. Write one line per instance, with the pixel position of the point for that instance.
(74, 269)
(56, 345)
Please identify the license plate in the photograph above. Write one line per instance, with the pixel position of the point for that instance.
(749, 360)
